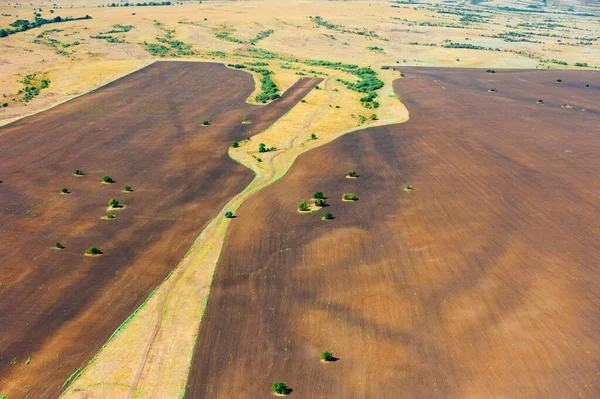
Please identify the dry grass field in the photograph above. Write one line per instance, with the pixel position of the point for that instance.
(479, 283)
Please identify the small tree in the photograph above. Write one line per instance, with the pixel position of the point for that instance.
(93, 251)
(127, 188)
(110, 215)
(234, 144)
(492, 90)
(320, 202)
(327, 216)
(540, 101)
(374, 117)
(205, 123)
(279, 388)
(228, 214)
(58, 245)
(349, 197)
(78, 172)
(351, 173)
(327, 356)
(303, 206)
(362, 118)
(490, 71)
(107, 179)
(65, 191)
(262, 147)
(558, 80)
(313, 136)
(318, 194)
(113, 203)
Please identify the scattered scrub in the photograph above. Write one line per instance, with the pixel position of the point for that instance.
(349, 197)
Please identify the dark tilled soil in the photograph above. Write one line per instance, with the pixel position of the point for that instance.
(483, 282)
(57, 307)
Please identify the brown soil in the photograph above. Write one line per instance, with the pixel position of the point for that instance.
(483, 283)
(59, 307)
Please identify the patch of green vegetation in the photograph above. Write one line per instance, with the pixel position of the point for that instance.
(144, 4)
(349, 197)
(342, 29)
(375, 48)
(109, 38)
(303, 206)
(118, 28)
(22, 25)
(216, 54)
(228, 215)
(93, 251)
(261, 35)
(167, 46)
(327, 356)
(268, 87)
(280, 388)
(368, 83)
(34, 84)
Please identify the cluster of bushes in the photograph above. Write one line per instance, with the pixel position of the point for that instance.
(118, 28)
(261, 35)
(237, 66)
(33, 86)
(375, 48)
(466, 46)
(109, 38)
(144, 4)
(216, 54)
(340, 28)
(168, 46)
(270, 91)
(22, 25)
(368, 83)
(226, 35)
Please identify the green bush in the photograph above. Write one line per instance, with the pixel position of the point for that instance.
(78, 172)
(110, 215)
(262, 148)
(127, 188)
(205, 123)
(362, 118)
(58, 245)
(303, 206)
(349, 197)
(327, 216)
(65, 191)
(228, 214)
(107, 179)
(558, 80)
(374, 117)
(327, 356)
(313, 136)
(280, 388)
(490, 71)
(320, 202)
(318, 194)
(234, 144)
(351, 173)
(113, 203)
(93, 251)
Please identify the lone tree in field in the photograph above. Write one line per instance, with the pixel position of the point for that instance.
(78, 172)
(279, 388)
(303, 206)
(205, 123)
(351, 173)
(374, 117)
(262, 147)
(113, 203)
(127, 188)
(234, 144)
(318, 195)
(558, 80)
(349, 197)
(93, 251)
(540, 101)
(107, 179)
(228, 214)
(327, 356)
(327, 216)
(313, 136)
(65, 191)
(58, 245)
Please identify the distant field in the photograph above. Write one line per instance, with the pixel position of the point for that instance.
(482, 282)
(58, 306)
